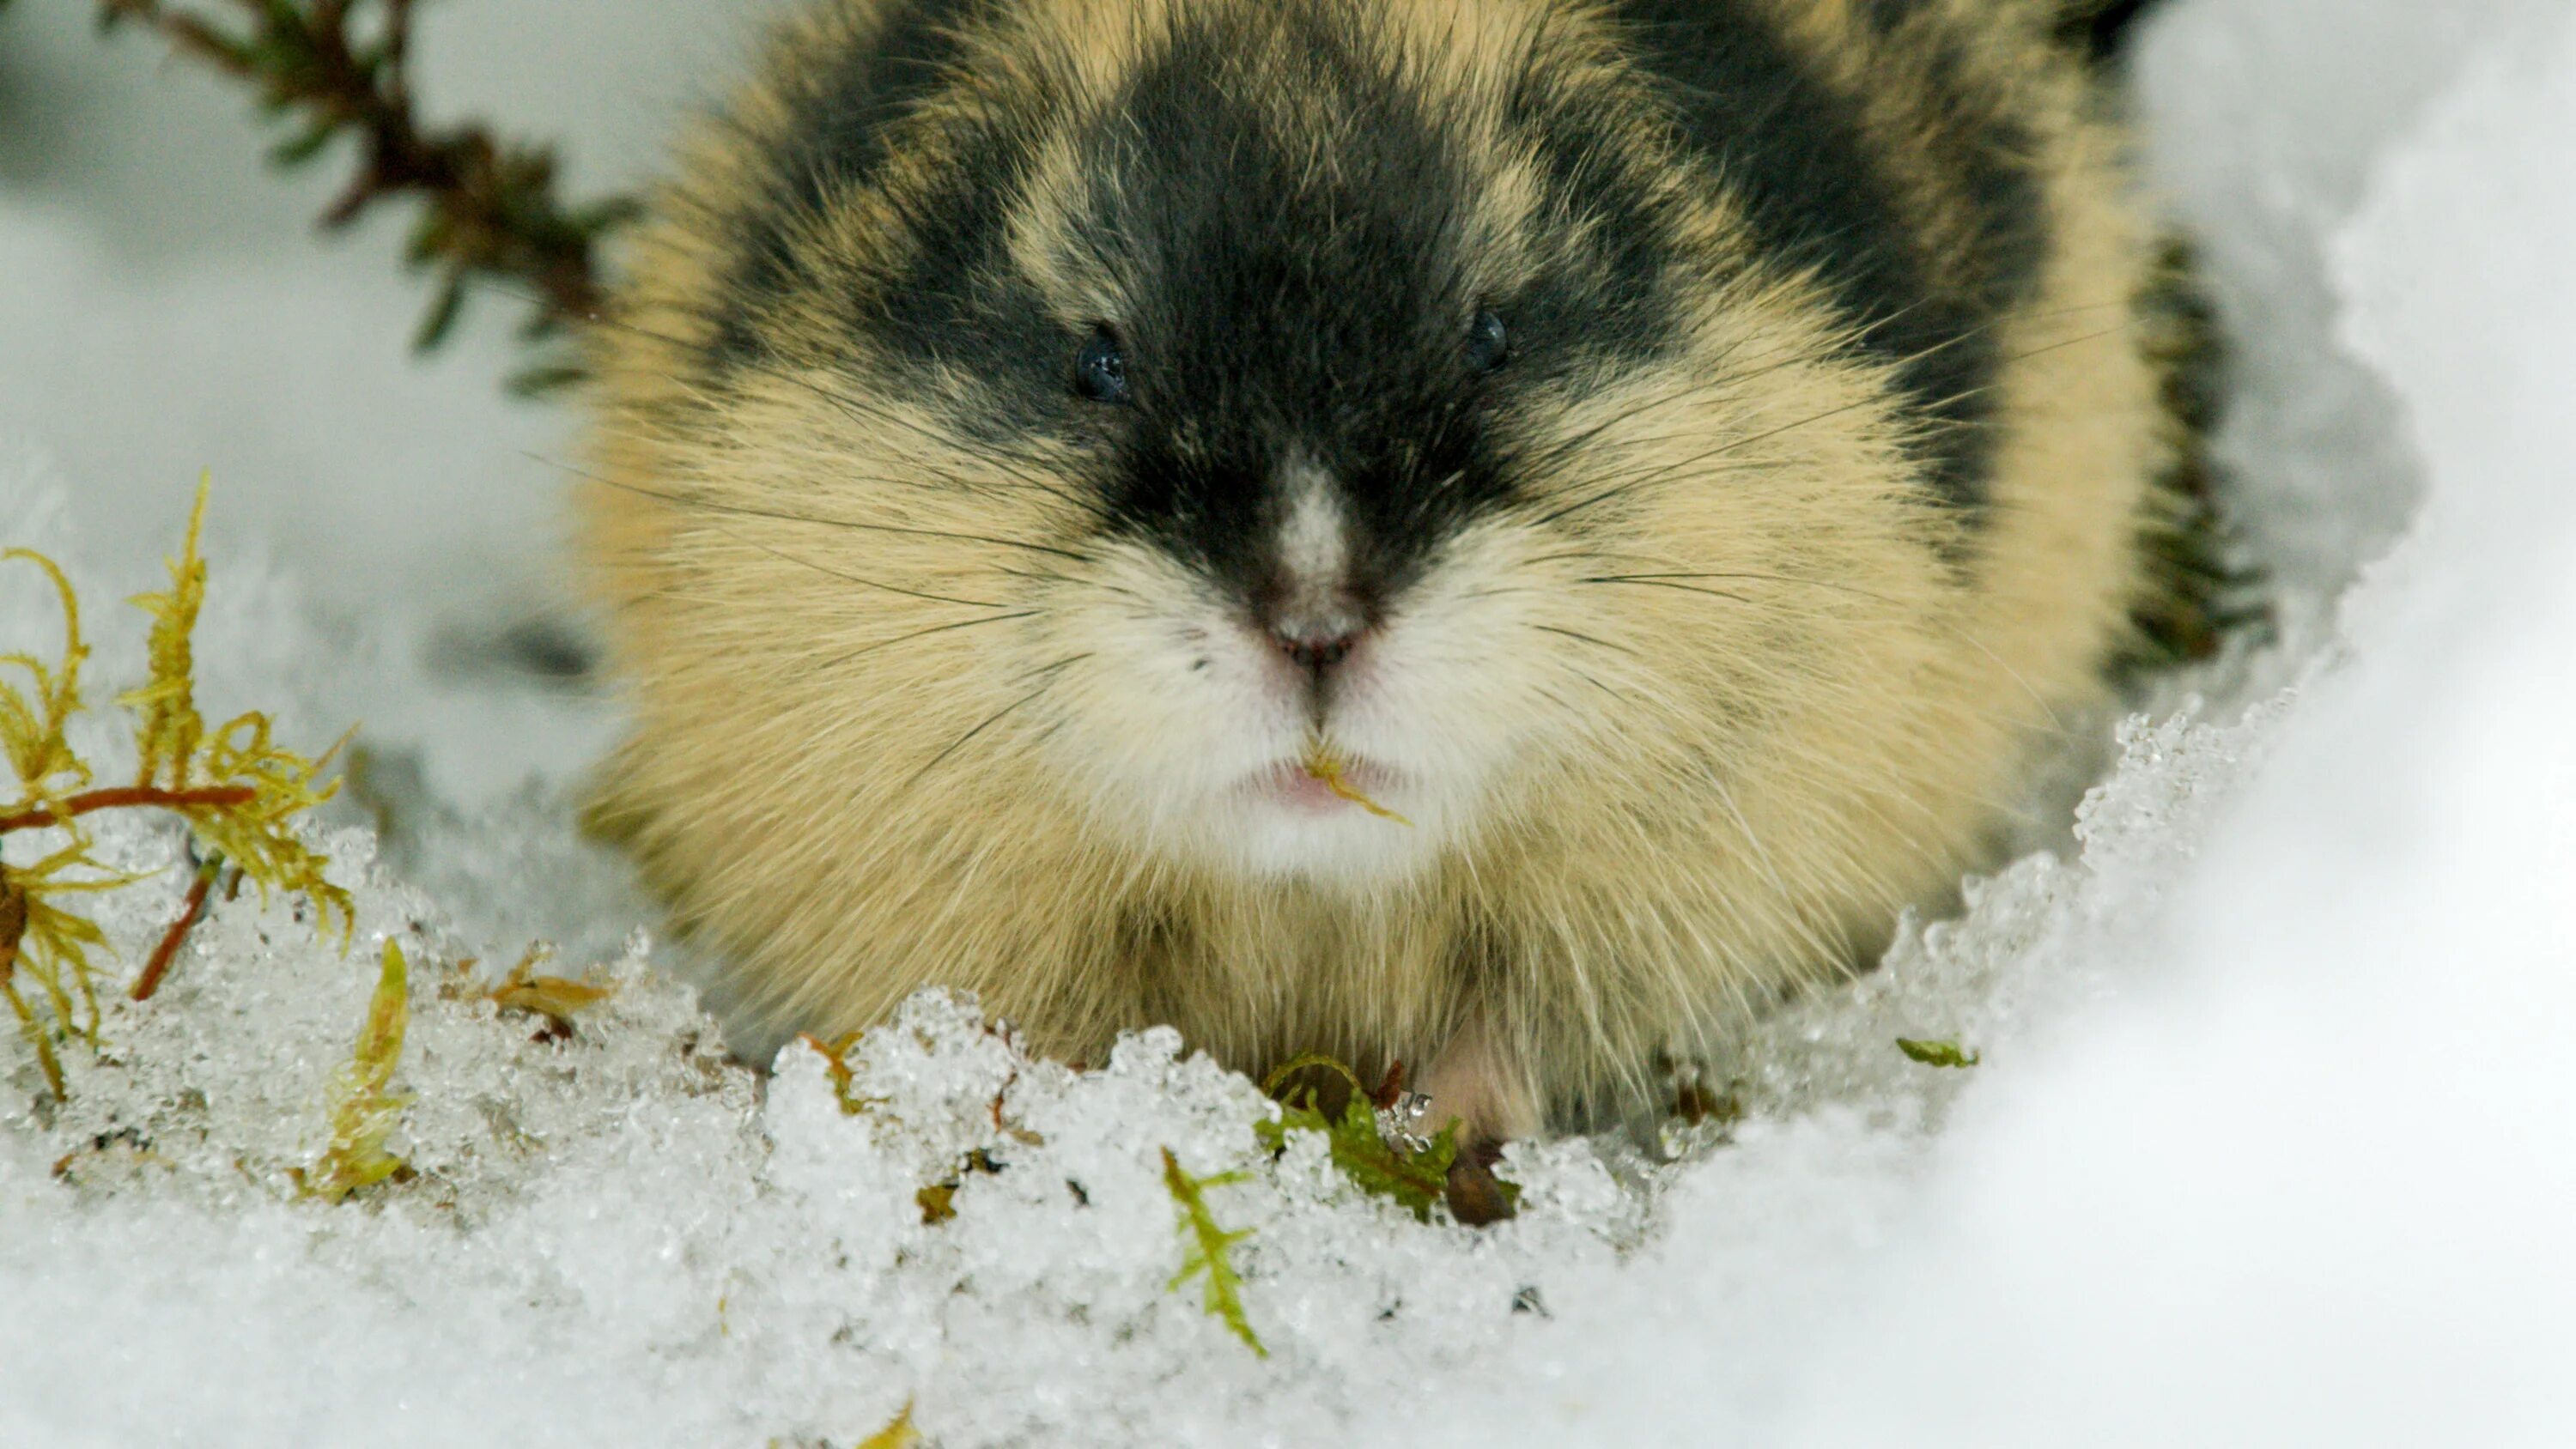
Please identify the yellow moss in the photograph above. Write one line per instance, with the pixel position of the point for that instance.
(177, 752)
(366, 1108)
(32, 729)
(238, 791)
(167, 726)
(898, 1435)
(556, 998)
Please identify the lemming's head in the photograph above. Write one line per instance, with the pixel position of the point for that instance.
(1147, 402)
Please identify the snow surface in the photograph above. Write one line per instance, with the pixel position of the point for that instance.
(2269, 1145)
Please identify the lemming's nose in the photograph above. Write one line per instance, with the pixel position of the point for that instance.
(1314, 645)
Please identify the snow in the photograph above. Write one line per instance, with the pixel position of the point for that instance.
(2268, 1144)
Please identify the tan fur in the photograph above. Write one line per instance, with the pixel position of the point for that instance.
(1724, 789)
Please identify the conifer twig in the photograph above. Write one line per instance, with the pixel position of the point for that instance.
(489, 209)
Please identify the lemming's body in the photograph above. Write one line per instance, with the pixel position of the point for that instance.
(1679, 456)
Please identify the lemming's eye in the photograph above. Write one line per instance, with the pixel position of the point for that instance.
(1488, 345)
(1100, 369)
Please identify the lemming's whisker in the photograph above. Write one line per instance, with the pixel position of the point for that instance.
(1674, 581)
(780, 553)
(1587, 639)
(947, 628)
(684, 501)
(1624, 483)
(850, 405)
(1826, 351)
(1735, 444)
(1053, 673)
(1559, 451)
(924, 474)
(1683, 588)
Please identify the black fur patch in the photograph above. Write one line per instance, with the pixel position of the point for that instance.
(1612, 296)
(2102, 27)
(1292, 297)
(1818, 197)
(838, 137)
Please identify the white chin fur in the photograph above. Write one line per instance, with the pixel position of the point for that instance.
(1268, 839)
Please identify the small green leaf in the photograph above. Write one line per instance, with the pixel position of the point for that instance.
(444, 309)
(297, 149)
(1948, 1054)
(545, 379)
(1416, 1180)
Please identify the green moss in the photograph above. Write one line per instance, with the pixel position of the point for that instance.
(1417, 1179)
(1945, 1054)
(1208, 1248)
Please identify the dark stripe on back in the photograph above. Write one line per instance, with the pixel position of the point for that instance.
(2101, 28)
(1790, 149)
(1987, 153)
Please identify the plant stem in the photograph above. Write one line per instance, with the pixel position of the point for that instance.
(127, 796)
(177, 935)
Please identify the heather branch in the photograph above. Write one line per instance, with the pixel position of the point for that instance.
(488, 205)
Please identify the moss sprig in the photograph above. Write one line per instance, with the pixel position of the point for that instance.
(1208, 1248)
(1416, 1179)
(365, 1107)
(236, 789)
(1947, 1055)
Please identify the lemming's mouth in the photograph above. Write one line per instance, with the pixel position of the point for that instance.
(1320, 784)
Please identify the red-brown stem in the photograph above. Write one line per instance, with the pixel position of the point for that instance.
(127, 796)
(177, 935)
(13, 926)
(1390, 1088)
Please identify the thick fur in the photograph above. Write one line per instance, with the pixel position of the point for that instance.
(1700, 638)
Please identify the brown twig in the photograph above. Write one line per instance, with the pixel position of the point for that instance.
(177, 935)
(125, 796)
(488, 206)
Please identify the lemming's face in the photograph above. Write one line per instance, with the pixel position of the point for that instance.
(1280, 399)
